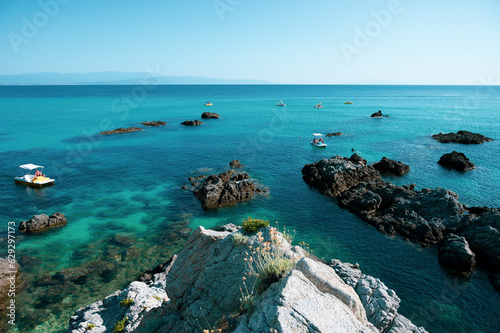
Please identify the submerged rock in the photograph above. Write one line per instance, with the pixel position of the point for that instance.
(9, 269)
(457, 161)
(226, 188)
(122, 130)
(390, 166)
(205, 281)
(208, 115)
(42, 221)
(154, 123)
(454, 253)
(464, 137)
(191, 123)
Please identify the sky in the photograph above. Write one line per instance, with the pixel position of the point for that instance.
(292, 42)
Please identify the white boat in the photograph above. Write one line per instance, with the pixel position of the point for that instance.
(318, 140)
(33, 176)
(280, 103)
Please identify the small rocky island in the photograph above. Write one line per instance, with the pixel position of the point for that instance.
(210, 279)
(154, 123)
(378, 114)
(226, 188)
(122, 130)
(42, 222)
(457, 161)
(334, 134)
(210, 115)
(191, 123)
(427, 216)
(463, 137)
(392, 167)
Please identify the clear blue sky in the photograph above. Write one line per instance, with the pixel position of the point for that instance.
(422, 42)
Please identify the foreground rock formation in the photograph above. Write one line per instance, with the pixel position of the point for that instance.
(454, 253)
(226, 188)
(464, 137)
(390, 166)
(381, 303)
(426, 216)
(457, 161)
(42, 221)
(122, 130)
(154, 123)
(209, 115)
(204, 286)
(191, 123)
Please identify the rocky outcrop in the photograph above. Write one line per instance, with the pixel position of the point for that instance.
(381, 304)
(457, 161)
(235, 164)
(42, 221)
(122, 130)
(334, 134)
(9, 269)
(204, 286)
(464, 137)
(209, 115)
(378, 114)
(154, 123)
(338, 174)
(390, 166)
(226, 188)
(421, 216)
(191, 123)
(454, 253)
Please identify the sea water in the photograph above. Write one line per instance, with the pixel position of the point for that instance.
(127, 212)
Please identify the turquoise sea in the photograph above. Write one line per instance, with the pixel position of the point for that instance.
(127, 212)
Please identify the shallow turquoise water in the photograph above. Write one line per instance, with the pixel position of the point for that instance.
(122, 196)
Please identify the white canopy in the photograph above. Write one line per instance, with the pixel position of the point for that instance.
(30, 166)
(317, 134)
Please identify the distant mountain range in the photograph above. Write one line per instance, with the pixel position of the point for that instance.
(111, 78)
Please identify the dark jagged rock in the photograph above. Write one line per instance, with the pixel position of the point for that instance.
(390, 166)
(122, 130)
(191, 123)
(464, 137)
(483, 235)
(378, 114)
(454, 253)
(42, 221)
(226, 188)
(338, 174)
(154, 123)
(235, 164)
(334, 134)
(208, 115)
(477, 210)
(421, 216)
(457, 161)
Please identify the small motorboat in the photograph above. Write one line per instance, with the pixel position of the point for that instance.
(318, 140)
(33, 176)
(208, 103)
(280, 103)
(319, 105)
(348, 102)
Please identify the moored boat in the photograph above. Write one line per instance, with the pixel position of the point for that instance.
(348, 102)
(280, 103)
(319, 105)
(208, 103)
(33, 176)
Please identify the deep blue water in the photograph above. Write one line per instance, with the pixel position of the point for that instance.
(128, 186)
